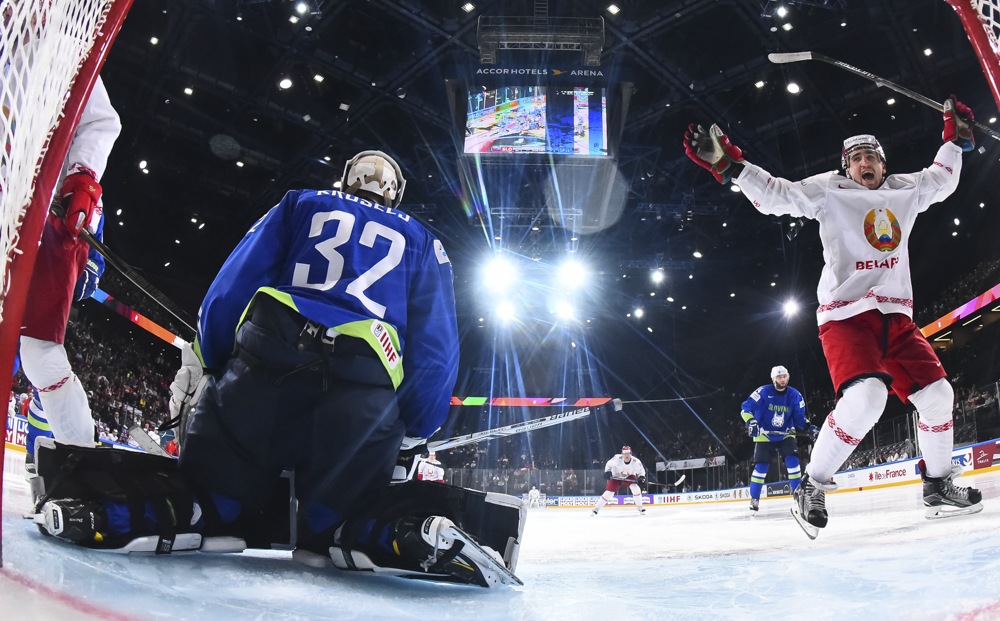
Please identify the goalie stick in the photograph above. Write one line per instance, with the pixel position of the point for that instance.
(129, 272)
(516, 428)
(794, 57)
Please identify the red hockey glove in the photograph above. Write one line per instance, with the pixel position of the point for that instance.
(712, 151)
(80, 193)
(956, 124)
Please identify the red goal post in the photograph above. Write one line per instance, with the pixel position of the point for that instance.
(51, 52)
(981, 20)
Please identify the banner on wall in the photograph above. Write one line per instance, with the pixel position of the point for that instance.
(17, 432)
(688, 464)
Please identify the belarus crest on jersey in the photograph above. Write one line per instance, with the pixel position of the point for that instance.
(882, 230)
(778, 421)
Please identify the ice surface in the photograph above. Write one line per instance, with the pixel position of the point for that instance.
(878, 559)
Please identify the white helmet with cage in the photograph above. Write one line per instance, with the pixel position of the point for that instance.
(375, 172)
(858, 143)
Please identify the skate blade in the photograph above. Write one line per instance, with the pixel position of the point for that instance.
(940, 512)
(811, 531)
(494, 572)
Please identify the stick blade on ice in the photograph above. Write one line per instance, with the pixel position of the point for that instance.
(793, 57)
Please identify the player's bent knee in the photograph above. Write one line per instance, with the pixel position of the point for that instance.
(608, 495)
(860, 407)
(45, 363)
(935, 402)
(634, 489)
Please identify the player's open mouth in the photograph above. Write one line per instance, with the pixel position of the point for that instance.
(868, 176)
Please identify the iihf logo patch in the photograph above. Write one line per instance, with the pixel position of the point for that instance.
(882, 230)
(778, 421)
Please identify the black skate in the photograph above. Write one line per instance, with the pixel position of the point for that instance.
(809, 504)
(944, 499)
(425, 549)
(754, 506)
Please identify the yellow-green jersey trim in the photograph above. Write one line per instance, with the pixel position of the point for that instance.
(37, 424)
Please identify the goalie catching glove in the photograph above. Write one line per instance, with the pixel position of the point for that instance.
(186, 389)
(956, 124)
(712, 151)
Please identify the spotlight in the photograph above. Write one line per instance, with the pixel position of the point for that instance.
(500, 274)
(285, 84)
(733, 188)
(696, 254)
(572, 274)
(782, 11)
(638, 312)
(793, 88)
(302, 7)
(657, 276)
(791, 307)
(564, 310)
(505, 311)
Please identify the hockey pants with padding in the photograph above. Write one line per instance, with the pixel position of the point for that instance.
(334, 422)
(63, 398)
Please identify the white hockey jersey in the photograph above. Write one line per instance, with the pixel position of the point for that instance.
(865, 233)
(620, 470)
(430, 471)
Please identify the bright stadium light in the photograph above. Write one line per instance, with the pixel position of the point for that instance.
(505, 311)
(564, 310)
(791, 307)
(500, 274)
(657, 276)
(638, 312)
(782, 11)
(572, 274)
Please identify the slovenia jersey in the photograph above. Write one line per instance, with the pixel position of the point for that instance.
(777, 414)
(364, 270)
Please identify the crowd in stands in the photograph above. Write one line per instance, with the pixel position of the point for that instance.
(969, 286)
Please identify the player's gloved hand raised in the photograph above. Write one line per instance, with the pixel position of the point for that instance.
(813, 432)
(409, 450)
(712, 151)
(956, 124)
(86, 284)
(80, 193)
(753, 428)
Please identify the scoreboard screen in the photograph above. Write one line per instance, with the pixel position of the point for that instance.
(549, 119)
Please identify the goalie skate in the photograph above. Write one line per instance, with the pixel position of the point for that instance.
(944, 499)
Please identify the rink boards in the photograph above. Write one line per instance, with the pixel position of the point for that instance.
(983, 457)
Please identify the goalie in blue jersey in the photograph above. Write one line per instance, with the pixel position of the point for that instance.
(327, 345)
(771, 413)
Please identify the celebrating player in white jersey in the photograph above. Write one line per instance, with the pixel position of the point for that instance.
(623, 469)
(865, 299)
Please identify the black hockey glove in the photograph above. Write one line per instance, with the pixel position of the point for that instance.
(642, 481)
(607, 475)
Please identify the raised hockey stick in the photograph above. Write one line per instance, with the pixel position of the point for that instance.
(516, 428)
(794, 57)
(129, 272)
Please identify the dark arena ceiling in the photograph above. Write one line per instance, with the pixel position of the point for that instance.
(198, 84)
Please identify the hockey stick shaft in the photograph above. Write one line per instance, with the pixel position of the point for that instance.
(516, 428)
(780, 59)
(128, 272)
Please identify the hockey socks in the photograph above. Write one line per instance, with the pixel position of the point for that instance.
(856, 413)
(62, 396)
(794, 472)
(935, 431)
(757, 479)
(602, 501)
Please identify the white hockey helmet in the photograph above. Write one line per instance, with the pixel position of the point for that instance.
(375, 172)
(626, 450)
(778, 370)
(857, 143)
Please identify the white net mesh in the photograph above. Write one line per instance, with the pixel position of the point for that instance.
(42, 45)
(989, 15)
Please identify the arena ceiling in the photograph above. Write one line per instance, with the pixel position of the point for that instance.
(198, 84)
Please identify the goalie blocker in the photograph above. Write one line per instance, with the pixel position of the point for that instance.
(130, 502)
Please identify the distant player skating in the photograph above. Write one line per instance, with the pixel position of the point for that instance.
(865, 299)
(623, 469)
(430, 469)
(771, 413)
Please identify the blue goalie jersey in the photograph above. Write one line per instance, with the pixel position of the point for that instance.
(366, 271)
(777, 414)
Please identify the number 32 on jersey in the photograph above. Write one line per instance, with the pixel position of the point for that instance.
(335, 261)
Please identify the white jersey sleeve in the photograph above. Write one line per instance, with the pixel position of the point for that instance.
(621, 470)
(776, 196)
(96, 133)
(936, 182)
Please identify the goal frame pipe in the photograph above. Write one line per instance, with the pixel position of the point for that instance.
(975, 29)
(30, 233)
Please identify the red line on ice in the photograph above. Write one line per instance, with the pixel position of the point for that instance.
(974, 615)
(75, 603)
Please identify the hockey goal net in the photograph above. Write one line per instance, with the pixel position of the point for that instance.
(51, 52)
(981, 20)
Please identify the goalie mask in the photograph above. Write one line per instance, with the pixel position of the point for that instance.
(375, 172)
(858, 143)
